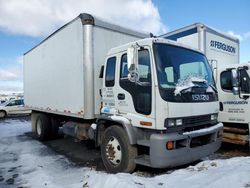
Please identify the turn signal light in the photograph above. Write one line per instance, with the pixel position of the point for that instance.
(170, 145)
(145, 123)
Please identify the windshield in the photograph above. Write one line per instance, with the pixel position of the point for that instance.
(4, 103)
(180, 69)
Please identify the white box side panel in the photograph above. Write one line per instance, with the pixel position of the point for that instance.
(104, 40)
(53, 71)
(223, 50)
(190, 40)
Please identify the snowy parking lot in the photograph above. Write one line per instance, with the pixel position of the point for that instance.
(26, 162)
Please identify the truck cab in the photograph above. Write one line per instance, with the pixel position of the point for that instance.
(164, 95)
(234, 92)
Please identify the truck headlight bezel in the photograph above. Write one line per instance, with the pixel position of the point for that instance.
(214, 117)
(174, 122)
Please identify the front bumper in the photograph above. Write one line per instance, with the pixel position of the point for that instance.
(186, 148)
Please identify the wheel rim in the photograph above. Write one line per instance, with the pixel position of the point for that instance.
(39, 127)
(2, 114)
(113, 151)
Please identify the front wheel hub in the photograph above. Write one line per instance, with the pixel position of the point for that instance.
(113, 151)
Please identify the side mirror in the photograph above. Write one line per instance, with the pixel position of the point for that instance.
(235, 81)
(244, 82)
(132, 58)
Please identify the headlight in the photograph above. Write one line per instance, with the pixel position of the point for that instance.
(178, 122)
(174, 122)
(214, 117)
(171, 123)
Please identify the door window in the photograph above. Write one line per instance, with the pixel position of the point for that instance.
(12, 103)
(110, 72)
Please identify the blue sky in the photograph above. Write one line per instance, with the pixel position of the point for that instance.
(25, 23)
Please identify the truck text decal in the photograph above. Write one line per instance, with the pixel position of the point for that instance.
(222, 46)
(199, 97)
(235, 102)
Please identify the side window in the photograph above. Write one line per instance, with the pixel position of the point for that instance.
(143, 66)
(19, 102)
(226, 80)
(110, 72)
(124, 67)
(12, 103)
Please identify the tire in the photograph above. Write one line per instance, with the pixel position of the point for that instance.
(43, 127)
(54, 128)
(117, 154)
(2, 114)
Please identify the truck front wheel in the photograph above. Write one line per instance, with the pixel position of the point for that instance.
(42, 127)
(117, 154)
(2, 114)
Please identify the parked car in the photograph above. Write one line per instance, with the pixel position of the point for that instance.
(2, 101)
(13, 107)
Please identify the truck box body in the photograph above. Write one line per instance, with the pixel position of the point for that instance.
(61, 74)
(218, 46)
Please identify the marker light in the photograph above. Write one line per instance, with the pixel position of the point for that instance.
(170, 145)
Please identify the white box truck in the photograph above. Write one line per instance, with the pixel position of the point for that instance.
(100, 81)
(222, 51)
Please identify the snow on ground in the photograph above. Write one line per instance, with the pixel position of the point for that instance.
(28, 163)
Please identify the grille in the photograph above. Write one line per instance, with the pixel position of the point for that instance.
(197, 120)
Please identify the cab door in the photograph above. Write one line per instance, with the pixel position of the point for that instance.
(109, 82)
(232, 107)
(135, 100)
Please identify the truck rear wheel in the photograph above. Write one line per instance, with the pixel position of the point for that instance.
(42, 127)
(117, 154)
(54, 127)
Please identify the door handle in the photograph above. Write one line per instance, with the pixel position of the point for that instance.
(221, 106)
(121, 96)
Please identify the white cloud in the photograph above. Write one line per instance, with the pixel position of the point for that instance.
(11, 79)
(11, 87)
(242, 37)
(39, 18)
(235, 35)
(7, 75)
(11, 69)
(13, 73)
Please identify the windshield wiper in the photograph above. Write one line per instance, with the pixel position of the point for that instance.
(214, 88)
